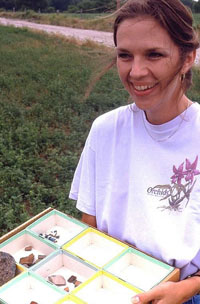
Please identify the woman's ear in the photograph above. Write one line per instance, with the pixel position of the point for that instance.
(189, 61)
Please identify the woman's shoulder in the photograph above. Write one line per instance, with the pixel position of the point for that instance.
(194, 111)
(196, 105)
(115, 116)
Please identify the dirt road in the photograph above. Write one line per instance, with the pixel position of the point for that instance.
(79, 34)
(105, 38)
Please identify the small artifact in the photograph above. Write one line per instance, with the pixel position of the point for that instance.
(77, 283)
(33, 302)
(41, 256)
(72, 279)
(50, 238)
(27, 260)
(58, 280)
(7, 267)
(66, 289)
(54, 234)
(28, 248)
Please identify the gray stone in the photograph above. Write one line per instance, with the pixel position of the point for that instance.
(7, 267)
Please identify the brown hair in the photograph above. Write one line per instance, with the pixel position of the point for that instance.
(173, 16)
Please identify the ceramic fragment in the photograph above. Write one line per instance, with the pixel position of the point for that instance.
(57, 280)
(28, 248)
(41, 256)
(77, 283)
(27, 260)
(72, 279)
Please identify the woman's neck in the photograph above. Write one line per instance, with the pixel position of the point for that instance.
(158, 117)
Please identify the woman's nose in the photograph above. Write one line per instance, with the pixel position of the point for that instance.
(138, 69)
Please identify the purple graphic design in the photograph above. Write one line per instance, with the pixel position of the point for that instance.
(182, 183)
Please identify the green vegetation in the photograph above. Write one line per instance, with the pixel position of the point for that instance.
(101, 22)
(97, 6)
(45, 118)
(93, 6)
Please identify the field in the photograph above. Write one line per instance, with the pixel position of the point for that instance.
(45, 117)
(101, 22)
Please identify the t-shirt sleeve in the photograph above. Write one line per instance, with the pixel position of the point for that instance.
(83, 184)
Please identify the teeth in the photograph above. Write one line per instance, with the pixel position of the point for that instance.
(142, 88)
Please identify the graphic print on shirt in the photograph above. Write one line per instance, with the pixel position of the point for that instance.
(178, 191)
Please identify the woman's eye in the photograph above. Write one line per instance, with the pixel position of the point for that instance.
(155, 55)
(123, 55)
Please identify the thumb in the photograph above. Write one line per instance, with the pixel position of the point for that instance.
(142, 298)
(135, 300)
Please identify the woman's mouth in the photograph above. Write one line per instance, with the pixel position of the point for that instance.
(141, 90)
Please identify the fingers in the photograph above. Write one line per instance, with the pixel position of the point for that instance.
(135, 300)
(146, 297)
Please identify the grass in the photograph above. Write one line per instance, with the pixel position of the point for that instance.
(45, 118)
(99, 22)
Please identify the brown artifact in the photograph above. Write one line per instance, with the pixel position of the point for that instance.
(77, 283)
(28, 248)
(66, 289)
(27, 260)
(41, 256)
(72, 279)
(7, 267)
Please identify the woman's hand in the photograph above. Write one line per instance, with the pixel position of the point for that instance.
(170, 292)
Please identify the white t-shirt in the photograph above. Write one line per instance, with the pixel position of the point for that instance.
(142, 182)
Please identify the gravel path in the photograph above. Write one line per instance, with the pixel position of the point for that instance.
(105, 38)
(79, 34)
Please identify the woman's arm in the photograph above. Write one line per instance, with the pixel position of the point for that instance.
(170, 292)
(89, 219)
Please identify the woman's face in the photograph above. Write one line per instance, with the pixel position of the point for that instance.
(148, 63)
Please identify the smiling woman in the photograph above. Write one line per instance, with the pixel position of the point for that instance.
(138, 178)
(150, 68)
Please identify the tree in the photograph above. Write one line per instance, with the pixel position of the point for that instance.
(34, 5)
(188, 3)
(197, 7)
(8, 4)
(95, 6)
(60, 5)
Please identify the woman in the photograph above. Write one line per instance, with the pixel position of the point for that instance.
(138, 178)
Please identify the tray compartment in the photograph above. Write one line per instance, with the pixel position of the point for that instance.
(105, 288)
(67, 265)
(16, 246)
(95, 247)
(139, 269)
(65, 226)
(29, 287)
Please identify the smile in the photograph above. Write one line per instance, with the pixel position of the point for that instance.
(143, 88)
